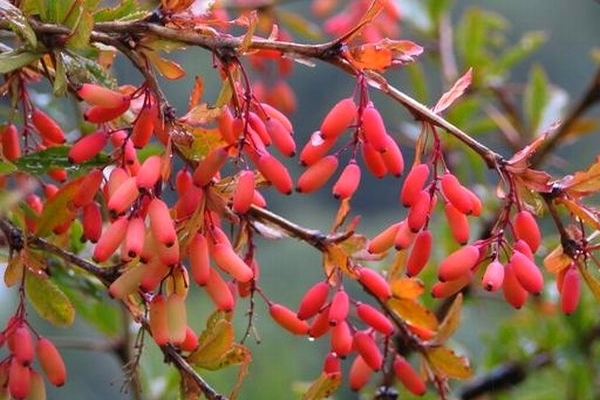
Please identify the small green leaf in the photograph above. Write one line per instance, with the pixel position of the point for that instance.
(529, 42)
(18, 23)
(40, 162)
(58, 10)
(34, 7)
(82, 29)
(15, 59)
(60, 84)
(214, 343)
(126, 10)
(7, 168)
(297, 23)
(48, 300)
(536, 97)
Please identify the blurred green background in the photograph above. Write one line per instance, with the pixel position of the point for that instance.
(281, 363)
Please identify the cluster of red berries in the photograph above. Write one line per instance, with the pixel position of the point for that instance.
(18, 378)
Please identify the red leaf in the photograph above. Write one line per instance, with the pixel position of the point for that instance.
(454, 93)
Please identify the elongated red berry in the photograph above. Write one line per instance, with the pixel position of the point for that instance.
(258, 126)
(408, 376)
(340, 306)
(317, 174)
(191, 340)
(91, 221)
(374, 318)
(404, 236)
(392, 158)
(243, 194)
(419, 211)
(149, 172)
(199, 259)
(374, 283)
(458, 223)
(448, 288)
(110, 239)
(274, 113)
(419, 253)
(127, 283)
(366, 346)
(124, 196)
(341, 339)
(47, 127)
(88, 188)
(315, 148)
(458, 263)
(143, 126)
(51, 362)
(348, 181)
(456, 193)
(19, 379)
(23, 345)
(134, 239)
(332, 364)
(219, 291)
(225, 126)
(281, 137)
(319, 326)
(493, 276)
(384, 240)
(287, 319)
(359, 374)
(413, 184)
(373, 129)
(9, 136)
(513, 292)
(229, 261)
(154, 273)
(101, 96)
(161, 223)
(527, 273)
(570, 290)
(373, 160)
(210, 165)
(176, 318)
(275, 172)
(158, 317)
(100, 115)
(527, 229)
(339, 118)
(313, 300)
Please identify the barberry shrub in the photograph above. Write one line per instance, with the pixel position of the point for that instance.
(132, 205)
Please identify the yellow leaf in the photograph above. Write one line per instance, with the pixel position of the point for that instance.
(167, 68)
(445, 363)
(47, 299)
(214, 342)
(557, 260)
(13, 273)
(398, 265)
(590, 280)
(451, 321)
(413, 313)
(334, 259)
(407, 288)
(323, 386)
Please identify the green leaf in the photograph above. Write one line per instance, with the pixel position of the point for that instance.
(15, 59)
(82, 29)
(302, 26)
(535, 97)
(18, 23)
(56, 210)
(529, 42)
(60, 84)
(126, 10)
(213, 344)
(40, 162)
(34, 7)
(48, 300)
(7, 168)
(58, 10)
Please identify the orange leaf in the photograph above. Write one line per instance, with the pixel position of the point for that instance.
(557, 260)
(519, 162)
(196, 94)
(583, 183)
(454, 93)
(167, 68)
(323, 386)
(384, 54)
(451, 321)
(587, 215)
(407, 288)
(445, 363)
(413, 313)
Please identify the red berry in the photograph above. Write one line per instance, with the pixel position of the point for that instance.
(413, 184)
(313, 300)
(375, 283)
(287, 319)
(419, 253)
(348, 181)
(317, 174)
(527, 229)
(458, 263)
(339, 118)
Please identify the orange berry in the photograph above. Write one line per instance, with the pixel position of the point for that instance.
(176, 318)
(570, 290)
(392, 158)
(404, 236)
(19, 379)
(143, 127)
(526, 228)
(449, 288)
(340, 306)
(243, 194)
(127, 283)
(359, 374)
(154, 273)
(9, 137)
(110, 239)
(258, 126)
(273, 112)
(419, 211)
(413, 184)
(219, 291)
(22, 345)
(210, 165)
(341, 339)
(91, 221)
(115, 180)
(162, 225)
(373, 160)
(458, 263)
(374, 318)
(199, 259)
(124, 196)
(384, 240)
(101, 96)
(225, 126)
(408, 376)
(373, 129)
(527, 273)
(149, 172)
(374, 283)
(348, 181)
(191, 340)
(134, 238)
(317, 174)
(48, 129)
(157, 318)
(51, 362)
(419, 253)
(319, 326)
(339, 118)
(313, 300)
(100, 115)
(513, 292)
(366, 346)
(315, 149)
(229, 261)
(275, 172)
(456, 193)
(494, 276)
(287, 319)
(281, 137)
(458, 223)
